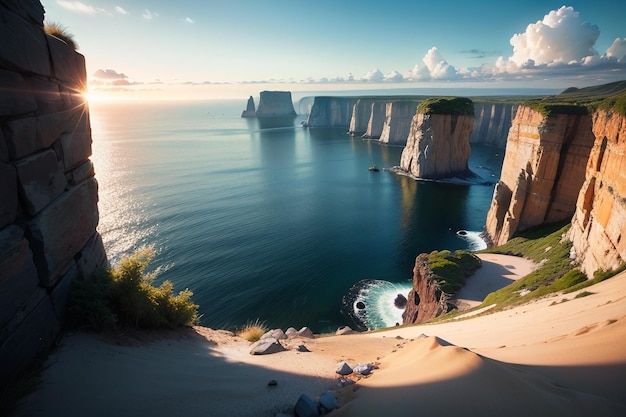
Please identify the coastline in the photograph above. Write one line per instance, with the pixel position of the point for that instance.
(549, 356)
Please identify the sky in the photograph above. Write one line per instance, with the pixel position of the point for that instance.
(225, 48)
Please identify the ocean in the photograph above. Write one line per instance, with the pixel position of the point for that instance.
(269, 220)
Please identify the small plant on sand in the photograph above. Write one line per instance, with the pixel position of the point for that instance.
(253, 331)
(125, 297)
(59, 31)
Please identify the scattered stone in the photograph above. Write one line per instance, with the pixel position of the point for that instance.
(272, 383)
(400, 301)
(328, 402)
(344, 382)
(306, 407)
(302, 348)
(363, 368)
(306, 332)
(399, 337)
(344, 330)
(277, 334)
(343, 368)
(291, 332)
(266, 347)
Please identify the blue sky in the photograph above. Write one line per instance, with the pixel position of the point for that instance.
(211, 47)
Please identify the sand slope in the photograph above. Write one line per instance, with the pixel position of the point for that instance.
(545, 358)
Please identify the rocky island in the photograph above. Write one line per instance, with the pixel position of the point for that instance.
(272, 104)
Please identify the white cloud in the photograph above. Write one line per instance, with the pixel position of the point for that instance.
(617, 50)
(394, 76)
(438, 67)
(189, 20)
(109, 74)
(148, 15)
(79, 7)
(120, 10)
(374, 76)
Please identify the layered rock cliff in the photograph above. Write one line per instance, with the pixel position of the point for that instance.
(275, 104)
(492, 122)
(398, 119)
(330, 112)
(48, 193)
(438, 142)
(542, 172)
(598, 231)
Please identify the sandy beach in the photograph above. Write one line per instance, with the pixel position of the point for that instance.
(559, 355)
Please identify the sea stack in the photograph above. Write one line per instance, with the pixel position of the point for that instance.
(249, 111)
(438, 143)
(275, 104)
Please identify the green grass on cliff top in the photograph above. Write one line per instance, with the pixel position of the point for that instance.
(447, 105)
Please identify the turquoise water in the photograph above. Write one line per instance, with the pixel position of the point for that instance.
(271, 221)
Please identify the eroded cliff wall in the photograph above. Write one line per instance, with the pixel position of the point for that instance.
(492, 122)
(275, 104)
(542, 172)
(361, 113)
(398, 119)
(437, 146)
(48, 193)
(598, 231)
(330, 112)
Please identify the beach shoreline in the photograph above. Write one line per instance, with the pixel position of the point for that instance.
(556, 355)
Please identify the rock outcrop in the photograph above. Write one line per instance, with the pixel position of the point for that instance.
(330, 112)
(398, 119)
(275, 104)
(598, 231)
(377, 120)
(250, 110)
(492, 122)
(438, 142)
(542, 172)
(48, 193)
(361, 113)
(426, 300)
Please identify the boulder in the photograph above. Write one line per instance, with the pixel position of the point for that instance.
(266, 346)
(306, 333)
(277, 334)
(291, 332)
(400, 301)
(344, 330)
(306, 407)
(363, 368)
(328, 402)
(343, 368)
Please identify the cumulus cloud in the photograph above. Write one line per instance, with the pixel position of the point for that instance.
(374, 76)
(394, 76)
(617, 50)
(109, 74)
(438, 67)
(120, 10)
(560, 38)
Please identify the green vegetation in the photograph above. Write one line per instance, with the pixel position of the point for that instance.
(598, 276)
(451, 268)
(447, 105)
(59, 31)
(125, 297)
(253, 331)
(550, 109)
(615, 103)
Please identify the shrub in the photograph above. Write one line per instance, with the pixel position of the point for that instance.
(124, 296)
(59, 31)
(253, 331)
(451, 268)
(447, 105)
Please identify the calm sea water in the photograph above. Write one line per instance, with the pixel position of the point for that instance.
(268, 221)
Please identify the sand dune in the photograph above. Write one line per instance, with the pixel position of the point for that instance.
(556, 356)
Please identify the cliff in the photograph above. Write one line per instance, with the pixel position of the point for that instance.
(542, 172)
(361, 113)
(492, 122)
(330, 112)
(377, 120)
(48, 193)
(250, 110)
(438, 142)
(599, 222)
(398, 119)
(275, 104)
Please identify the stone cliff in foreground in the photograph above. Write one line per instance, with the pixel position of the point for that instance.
(598, 231)
(438, 143)
(542, 172)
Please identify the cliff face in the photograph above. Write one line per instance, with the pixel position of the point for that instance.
(492, 122)
(398, 119)
(331, 112)
(542, 172)
(437, 146)
(599, 223)
(377, 120)
(48, 193)
(361, 112)
(275, 104)
(426, 300)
